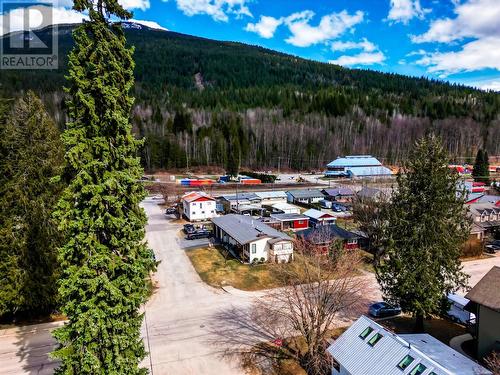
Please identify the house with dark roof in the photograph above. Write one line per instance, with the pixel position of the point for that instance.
(340, 194)
(252, 240)
(485, 304)
(367, 192)
(367, 348)
(322, 238)
(304, 196)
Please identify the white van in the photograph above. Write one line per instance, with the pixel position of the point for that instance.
(457, 311)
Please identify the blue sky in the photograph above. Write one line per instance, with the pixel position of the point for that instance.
(454, 40)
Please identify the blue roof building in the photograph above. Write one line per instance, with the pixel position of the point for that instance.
(356, 166)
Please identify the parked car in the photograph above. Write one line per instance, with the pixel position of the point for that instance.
(337, 207)
(491, 249)
(201, 233)
(457, 311)
(189, 228)
(171, 211)
(383, 309)
(325, 204)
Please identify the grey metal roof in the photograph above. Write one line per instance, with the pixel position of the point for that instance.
(244, 229)
(240, 196)
(271, 194)
(305, 193)
(289, 217)
(355, 161)
(369, 192)
(360, 358)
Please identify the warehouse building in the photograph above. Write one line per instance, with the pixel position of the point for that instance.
(356, 166)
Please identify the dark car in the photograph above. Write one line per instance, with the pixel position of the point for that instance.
(189, 228)
(198, 235)
(171, 211)
(383, 309)
(492, 247)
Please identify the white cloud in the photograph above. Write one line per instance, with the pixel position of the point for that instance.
(363, 58)
(493, 85)
(365, 45)
(330, 27)
(474, 18)
(476, 25)
(368, 56)
(135, 4)
(266, 27)
(476, 55)
(217, 9)
(405, 10)
(36, 20)
(151, 24)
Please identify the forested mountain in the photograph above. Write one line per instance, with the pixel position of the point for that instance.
(205, 102)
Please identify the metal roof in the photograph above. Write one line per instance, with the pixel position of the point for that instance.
(244, 229)
(316, 214)
(368, 192)
(355, 161)
(240, 196)
(369, 171)
(194, 196)
(289, 217)
(282, 206)
(360, 358)
(271, 194)
(305, 193)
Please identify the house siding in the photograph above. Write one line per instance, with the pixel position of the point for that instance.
(488, 331)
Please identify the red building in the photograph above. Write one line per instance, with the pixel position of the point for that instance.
(291, 221)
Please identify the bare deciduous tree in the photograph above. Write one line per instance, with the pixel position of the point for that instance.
(493, 362)
(295, 321)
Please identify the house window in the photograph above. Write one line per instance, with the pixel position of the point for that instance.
(405, 362)
(376, 338)
(366, 332)
(201, 205)
(254, 248)
(202, 212)
(352, 242)
(301, 222)
(418, 369)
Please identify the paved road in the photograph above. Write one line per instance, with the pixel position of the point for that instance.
(184, 317)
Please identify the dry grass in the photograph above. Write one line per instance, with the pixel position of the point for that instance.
(216, 271)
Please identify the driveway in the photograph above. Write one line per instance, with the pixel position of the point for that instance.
(183, 319)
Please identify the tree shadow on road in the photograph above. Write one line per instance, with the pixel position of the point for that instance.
(34, 344)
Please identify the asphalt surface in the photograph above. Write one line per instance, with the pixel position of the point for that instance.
(188, 323)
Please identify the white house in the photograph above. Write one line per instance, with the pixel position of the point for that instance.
(304, 196)
(198, 206)
(252, 240)
(368, 348)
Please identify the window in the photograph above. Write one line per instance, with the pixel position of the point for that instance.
(418, 369)
(366, 332)
(376, 338)
(254, 248)
(405, 362)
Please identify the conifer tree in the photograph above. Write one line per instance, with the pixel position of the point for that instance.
(481, 171)
(425, 228)
(105, 260)
(32, 155)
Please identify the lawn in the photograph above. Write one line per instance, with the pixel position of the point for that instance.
(216, 271)
(442, 329)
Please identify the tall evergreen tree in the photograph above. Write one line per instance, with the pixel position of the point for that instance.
(32, 155)
(481, 171)
(105, 259)
(426, 226)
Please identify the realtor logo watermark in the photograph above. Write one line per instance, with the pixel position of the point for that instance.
(26, 42)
